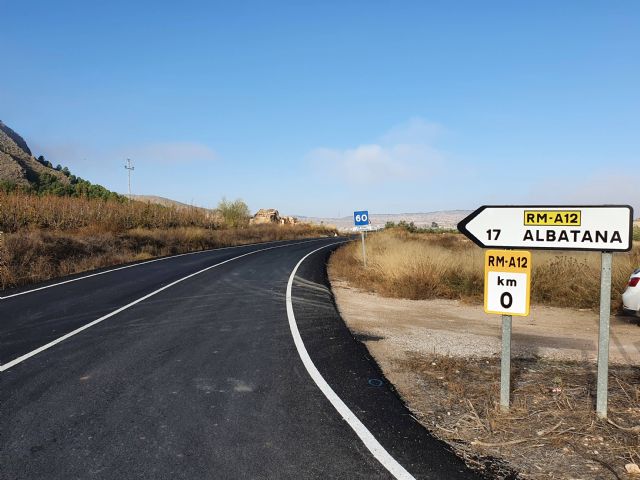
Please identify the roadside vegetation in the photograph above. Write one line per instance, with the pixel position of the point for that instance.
(550, 430)
(405, 263)
(46, 183)
(47, 236)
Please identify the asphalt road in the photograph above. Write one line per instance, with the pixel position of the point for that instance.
(209, 371)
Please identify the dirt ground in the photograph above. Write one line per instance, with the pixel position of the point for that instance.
(443, 358)
(449, 327)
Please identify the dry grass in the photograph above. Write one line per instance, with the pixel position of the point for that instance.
(47, 237)
(19, 211)
(550, 430)
(38, 255)
(423, 266)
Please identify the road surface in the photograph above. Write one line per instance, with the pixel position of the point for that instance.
(230, 363)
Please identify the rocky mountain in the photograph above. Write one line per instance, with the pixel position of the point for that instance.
(18, 165)
(19, 141)
(20, 170)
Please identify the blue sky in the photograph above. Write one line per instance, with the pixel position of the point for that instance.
(322, 108)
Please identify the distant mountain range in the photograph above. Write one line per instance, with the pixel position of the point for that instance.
(166, 202)
(443, 219)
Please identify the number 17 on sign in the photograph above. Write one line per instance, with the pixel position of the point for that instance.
(493, 234)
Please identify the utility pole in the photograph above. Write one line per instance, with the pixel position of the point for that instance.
(129, 167)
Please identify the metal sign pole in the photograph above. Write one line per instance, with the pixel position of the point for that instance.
(603, 335)
(364, 250)
(505, 363)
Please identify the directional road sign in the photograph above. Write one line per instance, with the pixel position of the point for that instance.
(507, 282)
(361, 219)
(604, 228)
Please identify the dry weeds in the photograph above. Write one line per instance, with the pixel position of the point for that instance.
(49, 236)
(424, 266)
(20, 211)
(550, 431)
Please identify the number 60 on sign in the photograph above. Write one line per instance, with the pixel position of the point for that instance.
(507, 282)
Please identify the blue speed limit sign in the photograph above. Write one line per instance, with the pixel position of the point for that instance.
(361, 218)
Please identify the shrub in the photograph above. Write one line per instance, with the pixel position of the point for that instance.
(235, 214)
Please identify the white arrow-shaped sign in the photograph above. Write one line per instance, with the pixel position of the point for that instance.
(602, 228)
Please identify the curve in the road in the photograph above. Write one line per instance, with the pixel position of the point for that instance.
(26, 356)
(201, 378)
(372, 444)
(132, 265)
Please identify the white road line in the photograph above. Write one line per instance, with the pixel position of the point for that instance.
(136, 265)
(38, 350)
(378, 451)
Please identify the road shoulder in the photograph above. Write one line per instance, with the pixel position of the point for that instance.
(442, 357)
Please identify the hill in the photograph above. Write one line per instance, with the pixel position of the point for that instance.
(211, 214)
(17, 139)
(165, 202)
(21, 170)
(18, 165)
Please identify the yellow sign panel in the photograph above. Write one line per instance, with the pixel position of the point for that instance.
(553, 218)
(507, 282)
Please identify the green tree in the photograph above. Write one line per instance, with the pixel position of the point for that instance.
(235, 214)
(8, 186)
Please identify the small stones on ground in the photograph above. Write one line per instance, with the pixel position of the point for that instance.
(632, 469)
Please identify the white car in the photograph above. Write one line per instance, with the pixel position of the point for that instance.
(631, 296)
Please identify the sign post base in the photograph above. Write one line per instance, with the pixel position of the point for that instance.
(364, 251)
(505, 364)
(603, 335)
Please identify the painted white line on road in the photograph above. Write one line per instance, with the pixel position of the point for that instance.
(38, 350)
(137, 265)
(378, 451)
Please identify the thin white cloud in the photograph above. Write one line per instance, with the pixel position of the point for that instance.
(405, 152)
(414, 131)
(171, 153)
(58, 152)
(606, 188)
(598, 188)
(163, 153)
